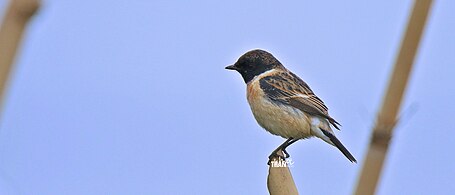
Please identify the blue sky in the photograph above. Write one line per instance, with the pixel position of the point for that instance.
(131, 97)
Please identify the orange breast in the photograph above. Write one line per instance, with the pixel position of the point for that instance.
(278, 119)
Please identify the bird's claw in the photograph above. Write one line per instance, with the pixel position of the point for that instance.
(279, 155)
(286, 154)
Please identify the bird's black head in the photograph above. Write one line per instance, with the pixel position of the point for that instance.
(254, 63)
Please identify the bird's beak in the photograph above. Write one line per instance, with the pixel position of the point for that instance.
(232, 67)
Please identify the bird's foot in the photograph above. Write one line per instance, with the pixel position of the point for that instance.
(278, 155)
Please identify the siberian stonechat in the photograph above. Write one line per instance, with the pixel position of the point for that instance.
(284, 104)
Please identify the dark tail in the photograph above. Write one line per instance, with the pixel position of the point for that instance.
(339, 145)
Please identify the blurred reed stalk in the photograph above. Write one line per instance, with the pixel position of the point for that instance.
(387, 116)
(12, 28)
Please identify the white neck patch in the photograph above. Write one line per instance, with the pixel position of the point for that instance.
(262, 75)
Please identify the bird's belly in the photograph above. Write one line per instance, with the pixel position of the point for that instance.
(280, 119)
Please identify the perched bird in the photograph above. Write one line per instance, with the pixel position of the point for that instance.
(284, 104)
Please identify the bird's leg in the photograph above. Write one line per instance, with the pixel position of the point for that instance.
(288, 144)
(277, 152)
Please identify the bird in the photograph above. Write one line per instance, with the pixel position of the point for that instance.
(283, 104)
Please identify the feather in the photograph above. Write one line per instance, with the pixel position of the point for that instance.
(287, 88)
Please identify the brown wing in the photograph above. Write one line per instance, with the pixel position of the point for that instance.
(289, 89)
